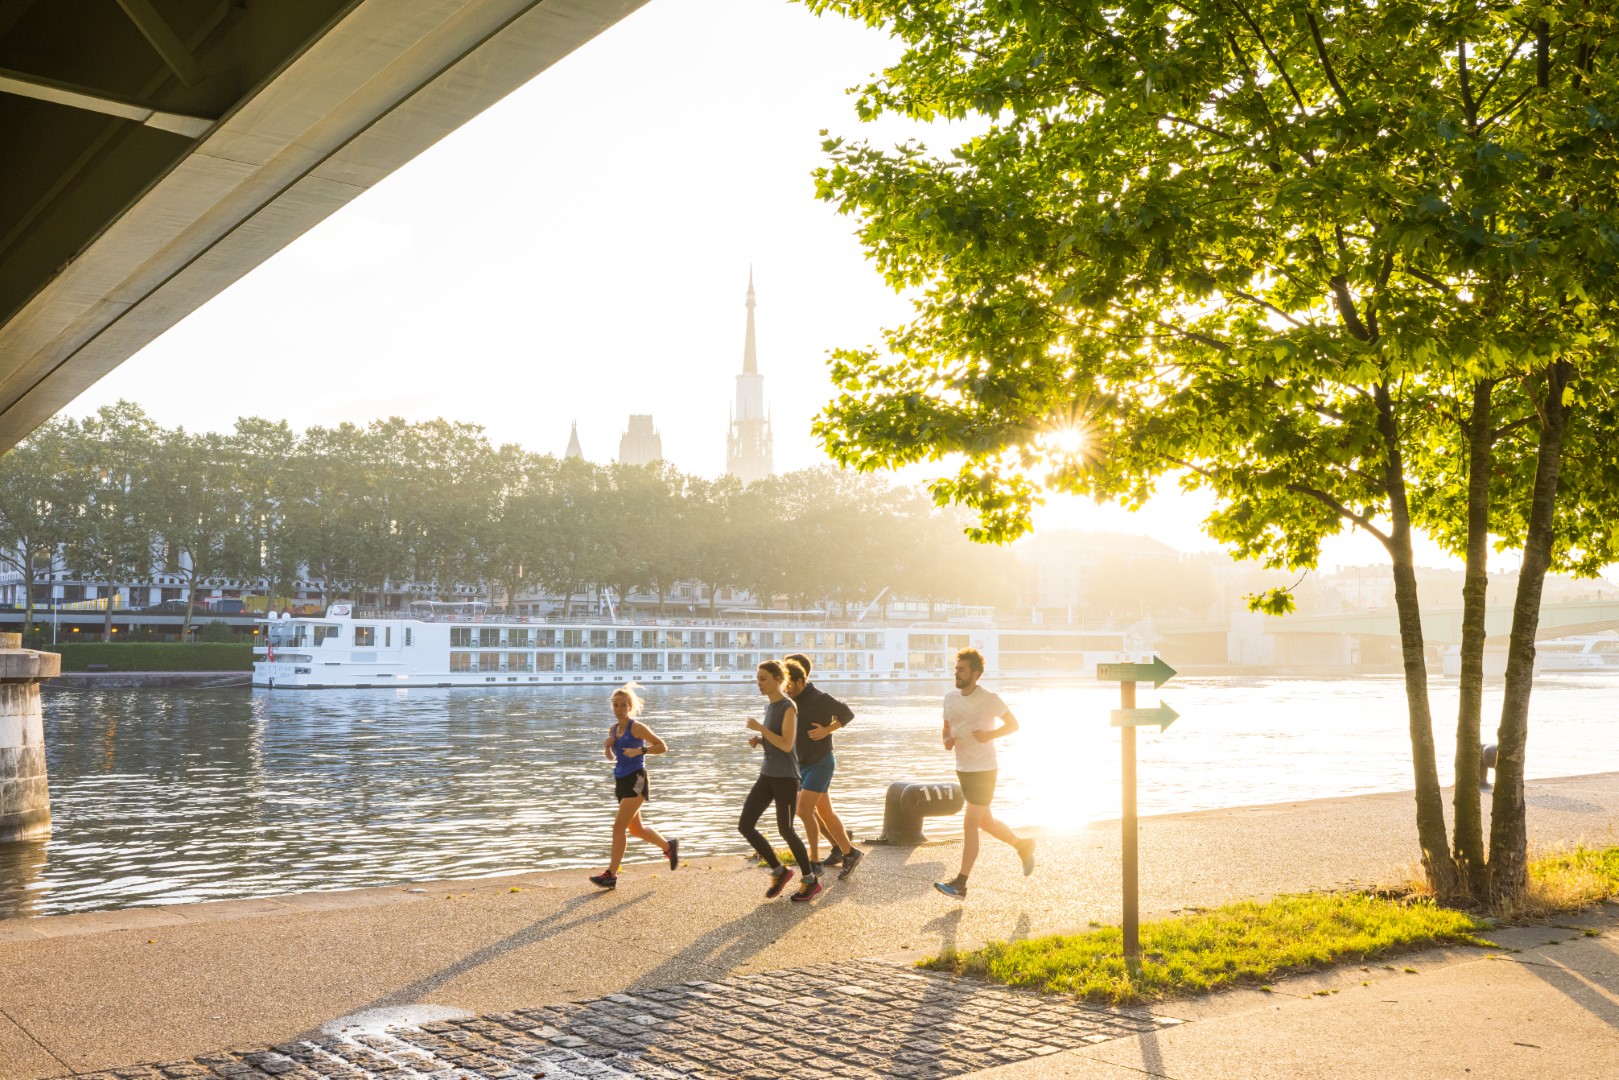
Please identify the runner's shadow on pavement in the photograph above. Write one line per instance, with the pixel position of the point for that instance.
(568, 917)
(1593, 991)
(725, 947)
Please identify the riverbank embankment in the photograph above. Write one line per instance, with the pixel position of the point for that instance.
(148, 680)
(101, 990)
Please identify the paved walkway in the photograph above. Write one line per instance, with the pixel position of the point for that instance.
(690, 974)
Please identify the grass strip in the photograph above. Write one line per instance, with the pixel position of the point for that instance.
(1243, 943)
(1251, 942)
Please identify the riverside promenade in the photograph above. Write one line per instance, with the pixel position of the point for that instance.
(691, 974)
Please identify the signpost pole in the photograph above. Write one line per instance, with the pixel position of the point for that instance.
(1127, 735)
(1127, 718)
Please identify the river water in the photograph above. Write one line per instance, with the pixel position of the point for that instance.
(181, 795)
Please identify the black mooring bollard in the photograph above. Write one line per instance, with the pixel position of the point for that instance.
(909, 802)
(1486, 762)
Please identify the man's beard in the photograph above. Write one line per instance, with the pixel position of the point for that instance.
(962, 684)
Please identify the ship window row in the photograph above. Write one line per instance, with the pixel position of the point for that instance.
(500, 637)
(630, 662)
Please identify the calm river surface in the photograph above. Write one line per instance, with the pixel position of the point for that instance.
(170, 796)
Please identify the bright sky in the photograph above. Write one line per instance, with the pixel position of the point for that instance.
(580, 252)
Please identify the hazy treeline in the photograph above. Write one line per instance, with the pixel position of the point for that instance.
(434, 508)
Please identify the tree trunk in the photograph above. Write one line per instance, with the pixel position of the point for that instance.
(1509, 838)
(106, 624)
(1468, 835)
(1436, 860)
(713, 600)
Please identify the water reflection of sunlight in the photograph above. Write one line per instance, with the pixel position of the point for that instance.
(215, 794)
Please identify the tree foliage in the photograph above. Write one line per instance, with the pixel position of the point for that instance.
(434, 510)
(1337, 266)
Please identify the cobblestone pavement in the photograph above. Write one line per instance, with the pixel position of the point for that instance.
(860, 1019)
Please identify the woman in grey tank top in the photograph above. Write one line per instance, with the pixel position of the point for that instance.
(778, 782)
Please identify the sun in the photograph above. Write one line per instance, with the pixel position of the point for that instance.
(1069, 439)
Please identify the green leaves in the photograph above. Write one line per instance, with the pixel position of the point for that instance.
(1236, 227)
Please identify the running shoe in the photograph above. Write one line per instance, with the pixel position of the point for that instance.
(850, 861)
(834, 859)
(778, 881)
(808, 890)
(951, 889)
(1025, 850)
(817, 869)
(674, 854)
(605, 879)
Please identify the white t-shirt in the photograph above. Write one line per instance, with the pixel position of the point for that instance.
(967, 713)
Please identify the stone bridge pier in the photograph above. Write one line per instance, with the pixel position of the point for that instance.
(25, 798)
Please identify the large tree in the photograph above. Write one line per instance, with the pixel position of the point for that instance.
(113, 458)
(200, 514)
(42, 502)
(1287, 253)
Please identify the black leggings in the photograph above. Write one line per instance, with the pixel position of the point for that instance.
(783, 791)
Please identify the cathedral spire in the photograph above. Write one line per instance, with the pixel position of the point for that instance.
(750, 348)
(747, 451)
(573, 443)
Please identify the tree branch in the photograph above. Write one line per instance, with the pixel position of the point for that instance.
(1281, 68)
(1268, 306)
(1469, 106)
(1429, 279)
(1193, 335)
(1507, 108)
(1360, 520)
(1326, 64)
(1507, 429)
(1502, 70)
(1172, 118)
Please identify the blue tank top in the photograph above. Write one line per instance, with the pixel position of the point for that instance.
(624, 766)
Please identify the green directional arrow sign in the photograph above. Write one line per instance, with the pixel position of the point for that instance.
(1163, 716)
(1157, 672)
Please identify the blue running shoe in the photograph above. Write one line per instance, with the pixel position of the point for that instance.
(951, 889)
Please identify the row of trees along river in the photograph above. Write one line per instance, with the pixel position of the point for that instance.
(434, 508)
(1348, 268)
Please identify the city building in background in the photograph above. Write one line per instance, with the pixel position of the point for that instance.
(641, 444)
(747, 450)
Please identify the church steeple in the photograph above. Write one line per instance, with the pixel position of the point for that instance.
(748, 450)
(573, 443)
(750, 347)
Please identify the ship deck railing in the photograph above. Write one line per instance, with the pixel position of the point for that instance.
(765, 619)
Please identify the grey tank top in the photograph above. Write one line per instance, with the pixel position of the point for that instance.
(778, 762)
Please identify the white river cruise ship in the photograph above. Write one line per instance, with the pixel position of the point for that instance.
(462, 647)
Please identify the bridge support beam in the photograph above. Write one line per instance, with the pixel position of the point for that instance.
(25, 798)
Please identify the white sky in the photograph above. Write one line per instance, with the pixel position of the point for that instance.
(581, 251)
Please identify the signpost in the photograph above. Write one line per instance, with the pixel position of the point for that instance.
(1127, 718)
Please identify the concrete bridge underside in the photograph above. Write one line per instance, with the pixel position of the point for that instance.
(157, 150)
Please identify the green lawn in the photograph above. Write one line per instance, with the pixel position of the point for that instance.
(1250, 943)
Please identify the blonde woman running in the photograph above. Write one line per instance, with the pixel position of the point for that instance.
(627, 746)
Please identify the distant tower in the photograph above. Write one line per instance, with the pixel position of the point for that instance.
(573, 443)
(747, 453)
(641, 444)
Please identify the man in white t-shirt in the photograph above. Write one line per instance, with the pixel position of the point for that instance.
(973, 719)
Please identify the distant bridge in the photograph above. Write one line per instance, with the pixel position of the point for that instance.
(1442, 626)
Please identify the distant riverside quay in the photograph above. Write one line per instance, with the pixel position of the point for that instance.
(163, 796)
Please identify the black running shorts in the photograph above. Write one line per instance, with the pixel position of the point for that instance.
(978, 787)
(632, 786)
